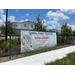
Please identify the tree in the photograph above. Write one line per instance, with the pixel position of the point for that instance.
(9, 29)
(73, 33)
(66, 33)
(3, 29)
(38, 26)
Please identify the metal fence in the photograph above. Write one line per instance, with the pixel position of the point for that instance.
(5, 44)
(16, 41)
(62, 40)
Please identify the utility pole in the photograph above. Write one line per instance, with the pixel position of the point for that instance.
(6, 24)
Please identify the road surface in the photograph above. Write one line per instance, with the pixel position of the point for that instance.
(8, 38)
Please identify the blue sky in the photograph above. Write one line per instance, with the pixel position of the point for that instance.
(53, 18)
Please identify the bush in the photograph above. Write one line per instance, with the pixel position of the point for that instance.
(2, 46)
(1, 41)
(69, 42)
(19, 40)
(6, 50)
(59, 40)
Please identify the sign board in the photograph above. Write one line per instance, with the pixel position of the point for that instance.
(34, 40)
(0, 31)
(73, 40)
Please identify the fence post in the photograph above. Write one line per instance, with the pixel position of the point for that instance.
(10, 47)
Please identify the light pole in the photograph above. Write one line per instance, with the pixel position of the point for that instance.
(6, 24)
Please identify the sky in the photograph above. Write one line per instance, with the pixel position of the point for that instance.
(53, 18)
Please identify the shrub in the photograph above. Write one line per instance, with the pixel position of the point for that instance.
(18, 40)
(5, 43)
(2, 46)
(1, 41)
(6, 50)
(69, 42)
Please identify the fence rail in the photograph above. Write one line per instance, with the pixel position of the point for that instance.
(16, 41)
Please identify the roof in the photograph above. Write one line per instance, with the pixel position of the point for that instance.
(20, 22)
(26, 22)
(13, 22)
(52, 30)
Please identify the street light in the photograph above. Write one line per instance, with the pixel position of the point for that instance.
(6, 24)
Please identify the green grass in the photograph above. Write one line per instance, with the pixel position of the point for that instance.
(28, 53)
(68, 60)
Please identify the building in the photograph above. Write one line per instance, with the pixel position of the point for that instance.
(22, 25)
(54, 30)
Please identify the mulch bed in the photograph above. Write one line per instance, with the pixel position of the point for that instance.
(4, 54)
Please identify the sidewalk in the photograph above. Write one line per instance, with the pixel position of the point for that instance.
(42, 58)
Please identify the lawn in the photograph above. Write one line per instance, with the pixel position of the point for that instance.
(68, 60)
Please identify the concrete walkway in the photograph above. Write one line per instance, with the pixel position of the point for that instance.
(42, 58)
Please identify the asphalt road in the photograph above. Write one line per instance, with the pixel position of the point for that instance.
(8, 38)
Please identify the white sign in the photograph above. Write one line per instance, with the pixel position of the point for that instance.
(34, 40)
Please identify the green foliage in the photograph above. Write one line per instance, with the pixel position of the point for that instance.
(2, 46)
(66, 30)
(1, 41)
(66, 35)
(3, 29)
(6, 50)
(73, 33)
(9, 30)
(19, 41)
(39, 25)
(16, 47)
(68, 60)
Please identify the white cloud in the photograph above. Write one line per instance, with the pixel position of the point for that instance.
(44, 22)
(27, 14)
(17, 10)
(55, 24)
(22, 16)
(1, 12)
(3, 18)
(56, 16)
(69, 11)
(26, 20)
(1, 22)
(21, 20)
(49, 27)
(72, 26)
(11, 18)
(68, 25)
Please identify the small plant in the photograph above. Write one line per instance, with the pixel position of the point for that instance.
(18, 40)
(1, 41)
(2, 46)
(6, 50)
